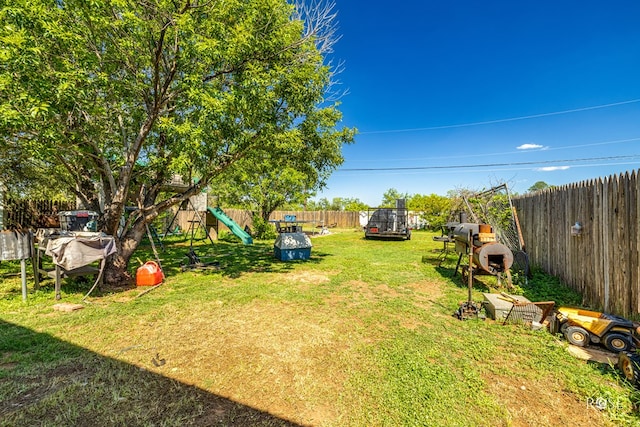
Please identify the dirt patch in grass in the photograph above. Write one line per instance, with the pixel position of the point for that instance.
(541, 403)
(370, 292)
(8, 366)
(4, 364)
(308, 277)
(426, 292)
(281, 358)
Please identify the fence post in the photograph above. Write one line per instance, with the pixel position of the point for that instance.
(1, 206)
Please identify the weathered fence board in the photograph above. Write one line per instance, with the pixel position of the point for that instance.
(331, 219)
(35, 214)
(603, 262)
(32, 214)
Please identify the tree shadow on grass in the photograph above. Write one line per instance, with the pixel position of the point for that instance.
(228, 259)
(46, 381)
(451, 266)
(445, 264)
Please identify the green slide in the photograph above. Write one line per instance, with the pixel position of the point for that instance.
(232, 225)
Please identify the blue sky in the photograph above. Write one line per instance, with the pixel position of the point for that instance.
(472, 94)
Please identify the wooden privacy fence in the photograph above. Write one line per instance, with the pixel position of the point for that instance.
(339, 219)
(24, 214)
(331, 219)
(38, 213)
(602, 262)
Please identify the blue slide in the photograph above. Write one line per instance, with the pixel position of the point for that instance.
(232, 225)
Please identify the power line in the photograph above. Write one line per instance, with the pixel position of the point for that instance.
(511, 119)
(488, 154)
(459, 172)
(410, 168)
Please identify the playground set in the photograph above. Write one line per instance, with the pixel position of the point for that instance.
(204, 218)
(205, 221)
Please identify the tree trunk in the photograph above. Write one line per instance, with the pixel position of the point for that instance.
(116, 275)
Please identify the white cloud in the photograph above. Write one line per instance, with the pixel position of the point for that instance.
(553, 168)
(530, 146)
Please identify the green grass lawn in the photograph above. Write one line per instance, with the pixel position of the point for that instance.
(361, 334)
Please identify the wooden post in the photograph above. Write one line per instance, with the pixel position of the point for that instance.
(23, 275)
(35, 260)
(57, 285)
(470, 274)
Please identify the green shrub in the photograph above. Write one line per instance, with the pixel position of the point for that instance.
(262, 230)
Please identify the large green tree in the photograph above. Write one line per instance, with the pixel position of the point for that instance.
(298, 167)
(390, 196)
(434, 209)
(539, 185)
(114, 97)
(338, 204)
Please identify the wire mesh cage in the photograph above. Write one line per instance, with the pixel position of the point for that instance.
(529, 313)
(494, 207)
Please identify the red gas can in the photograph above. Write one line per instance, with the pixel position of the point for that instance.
(149, 274)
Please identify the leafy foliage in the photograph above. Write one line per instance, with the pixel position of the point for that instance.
(262, 229)
(300, 165)
(539, 185)
(115, 98)
(434, 209)
(338, 204)
(543, 287)
(390, 196)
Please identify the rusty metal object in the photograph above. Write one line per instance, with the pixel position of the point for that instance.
(468, 310)
(479, 243)
(479, 240)
(493, 257)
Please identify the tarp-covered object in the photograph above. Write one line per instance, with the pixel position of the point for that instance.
(290, 246)
(75, 252)
(15, 245)
(292, 241)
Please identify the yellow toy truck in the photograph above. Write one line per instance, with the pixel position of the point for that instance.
(582, 327)
(617, 334)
